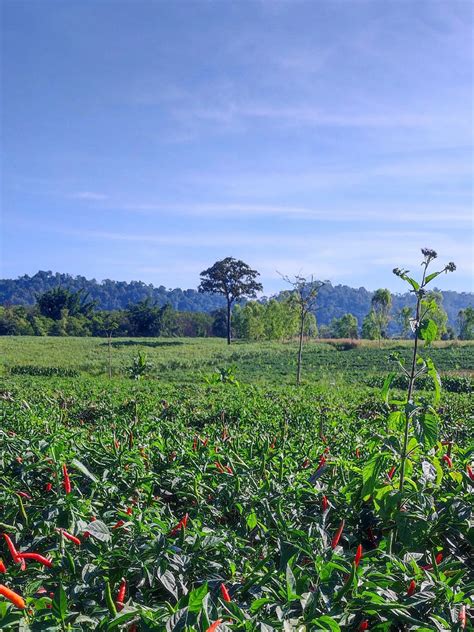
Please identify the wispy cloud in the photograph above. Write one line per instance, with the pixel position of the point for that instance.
(88, 196)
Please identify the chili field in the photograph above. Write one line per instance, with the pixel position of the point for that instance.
(234, 504)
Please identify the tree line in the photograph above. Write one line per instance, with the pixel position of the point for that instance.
(62, 311)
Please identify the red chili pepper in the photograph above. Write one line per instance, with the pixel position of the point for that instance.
(439, 558)
(411, 588)
(325, 503)
(447, 460)
(225, 594)
(391, 472)
(195, 444)
(358, 555)
(129, 511)
(24, 495)
(37, 557)
(363, 625)
(69, 536)
(48, 487)
(358, 453)
(205, 442)
(322, 461)
(121, 594)
(66, 480)
(337, 537)
(305, 464)
(13, 597)
(219, 467)
(3, 568)
(229, 469)
(213, 627)
(470, 472)
(462, 617)
(181, 525)
(118, 524)
(18, 459)
(11, 548)
(273, 443)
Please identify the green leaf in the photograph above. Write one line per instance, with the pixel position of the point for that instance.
(428, 330)
(82, 468)
(169, 582)
(432, 276)
(386, 386)
(395, 421)
(99, 530)
(196, 596)
(370, 473)
(425, 427)
(59, 603)
(326, 623)
(252, 520)
(290, 584)
(434, 375)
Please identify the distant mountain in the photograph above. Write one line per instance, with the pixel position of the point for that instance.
(333, 301)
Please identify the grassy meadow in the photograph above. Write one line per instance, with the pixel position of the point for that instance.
(187, 360)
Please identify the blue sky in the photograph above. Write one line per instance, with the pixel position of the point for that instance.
(145, 140)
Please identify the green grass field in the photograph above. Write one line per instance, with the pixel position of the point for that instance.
(187, 360)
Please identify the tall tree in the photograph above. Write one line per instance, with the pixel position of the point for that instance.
(381, 303)
(405, 318)
(466, 323)
(345, 327)
(304, 293)
(232, 278)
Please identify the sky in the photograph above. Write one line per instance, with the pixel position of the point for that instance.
(145, 140)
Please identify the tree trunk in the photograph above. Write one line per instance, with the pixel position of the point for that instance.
(300, 350)
(228, 322)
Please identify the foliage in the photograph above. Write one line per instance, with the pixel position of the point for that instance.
(233, 279)
(144, 455)
(59, 301)
(466, 323)
(344, 327)
(140, 366)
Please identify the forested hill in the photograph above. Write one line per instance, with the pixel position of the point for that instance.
(333, 301)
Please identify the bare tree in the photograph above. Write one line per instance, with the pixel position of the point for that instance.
(304, 293)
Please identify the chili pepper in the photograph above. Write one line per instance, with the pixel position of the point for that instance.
(391, 472)
(337, 537)
(358, 555)
(18, 459)
(273, 443)
(109, 601)
(357, 453)
(411, 588)
(447, 460)
(13, 597)
(322, 461)
(229, 469)
(181, 525)
(48, 487)
(439, 557)
(213, 627)
(195, 444)
(121, 594)
(69, 536)
(24, 495)
(66, 480)
(3, 568)
(363, 625)
(11, 548)
(219, 467)
(205, 442)
(462, 617)
(325, 503)
(305, 464)
(118, 524)
(116, 444)
(129, 511)
(37, 557)
(225, 594)
(470, 472)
